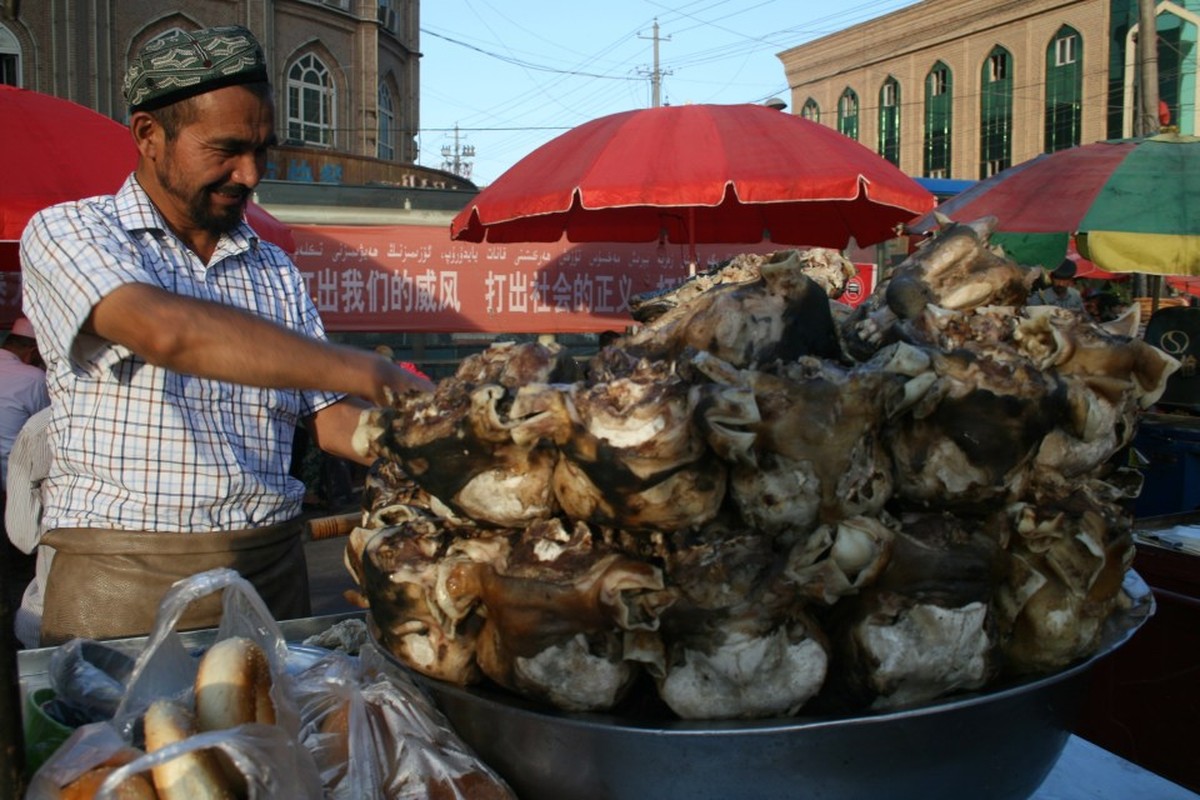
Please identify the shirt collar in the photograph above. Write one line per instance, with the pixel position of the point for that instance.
(136, 212)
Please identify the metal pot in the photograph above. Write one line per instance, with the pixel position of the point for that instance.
(995, 744)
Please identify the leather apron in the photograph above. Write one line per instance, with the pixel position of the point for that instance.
(107, 584)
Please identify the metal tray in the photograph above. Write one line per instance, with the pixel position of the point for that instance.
(995, 744)
(33, 665)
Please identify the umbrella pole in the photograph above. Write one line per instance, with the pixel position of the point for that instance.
(691, 224)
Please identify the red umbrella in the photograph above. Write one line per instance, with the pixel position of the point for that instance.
(53, 150)
(696, 173)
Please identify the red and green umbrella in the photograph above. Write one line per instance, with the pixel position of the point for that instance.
(1132, 204)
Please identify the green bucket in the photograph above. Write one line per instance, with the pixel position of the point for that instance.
(43, 733)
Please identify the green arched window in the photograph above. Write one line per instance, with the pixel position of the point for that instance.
(811, 110)
(995, 114)
(848, 113)
(938, 101)
(1064, 89)
(889, 120)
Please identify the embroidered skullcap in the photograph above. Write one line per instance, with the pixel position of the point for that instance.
(183, 64)
(1065, 270)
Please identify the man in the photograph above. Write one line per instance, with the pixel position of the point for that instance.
(1062, 291)
(22, 387)
(22, 393)
(182, 350)
(28, 465)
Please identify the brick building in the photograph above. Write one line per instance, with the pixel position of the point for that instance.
(346, 73)
(965, 88)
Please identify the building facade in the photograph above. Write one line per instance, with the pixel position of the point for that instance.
(966, 88)
(346, 73)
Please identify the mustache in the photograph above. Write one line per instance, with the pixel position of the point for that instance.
(232, 190)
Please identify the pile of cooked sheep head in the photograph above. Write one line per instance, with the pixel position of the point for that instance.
(764, 500)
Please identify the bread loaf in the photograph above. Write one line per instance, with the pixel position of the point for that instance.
(191, 776)
(136, 787)
(233, 686)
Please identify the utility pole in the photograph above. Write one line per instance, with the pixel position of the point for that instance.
(1147, 118)
(454, 156)
(1147, 60)
(656, 74)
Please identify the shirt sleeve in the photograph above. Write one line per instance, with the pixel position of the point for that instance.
(72, 256)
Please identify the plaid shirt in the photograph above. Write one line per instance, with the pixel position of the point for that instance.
(138, 447)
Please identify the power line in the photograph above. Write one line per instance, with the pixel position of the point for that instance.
(527, 64)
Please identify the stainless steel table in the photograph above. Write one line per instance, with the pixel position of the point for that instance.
(1083, 772)
(1087, 772)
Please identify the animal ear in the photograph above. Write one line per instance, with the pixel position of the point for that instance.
(984, 226)
(942, 220)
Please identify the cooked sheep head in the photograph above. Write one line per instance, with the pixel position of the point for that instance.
(814, 454)
(972, 437)
(1109, 379)
(783, 314)
(839, 559)
(556, 613)
(736, 642)
(632, 459)
(1069, 557)
(422, 578)
(464, 446)
(925, 628)
(955, 270)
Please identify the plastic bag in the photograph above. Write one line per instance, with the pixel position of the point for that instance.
(165, 668)
(270, 758)
(88, 679)
(87, 747)
(273, 763)
(374, 734)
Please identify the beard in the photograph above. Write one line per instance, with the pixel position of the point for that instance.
(206, 216)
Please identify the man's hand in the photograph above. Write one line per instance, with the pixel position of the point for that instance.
(396, 380)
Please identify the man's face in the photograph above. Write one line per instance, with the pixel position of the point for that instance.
(210, 168)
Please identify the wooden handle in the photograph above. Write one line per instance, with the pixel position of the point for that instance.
(331, 527)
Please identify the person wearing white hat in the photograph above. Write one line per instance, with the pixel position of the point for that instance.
(22, 386)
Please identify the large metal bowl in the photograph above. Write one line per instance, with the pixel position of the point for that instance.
(995, 744)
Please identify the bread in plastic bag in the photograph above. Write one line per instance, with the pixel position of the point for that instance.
(374, 734)
(166, 670)
(266, 761)
(273, 763)
(88, 747)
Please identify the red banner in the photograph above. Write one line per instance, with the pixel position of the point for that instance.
(415, 279)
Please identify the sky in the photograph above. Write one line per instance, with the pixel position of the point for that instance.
(509, 76)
